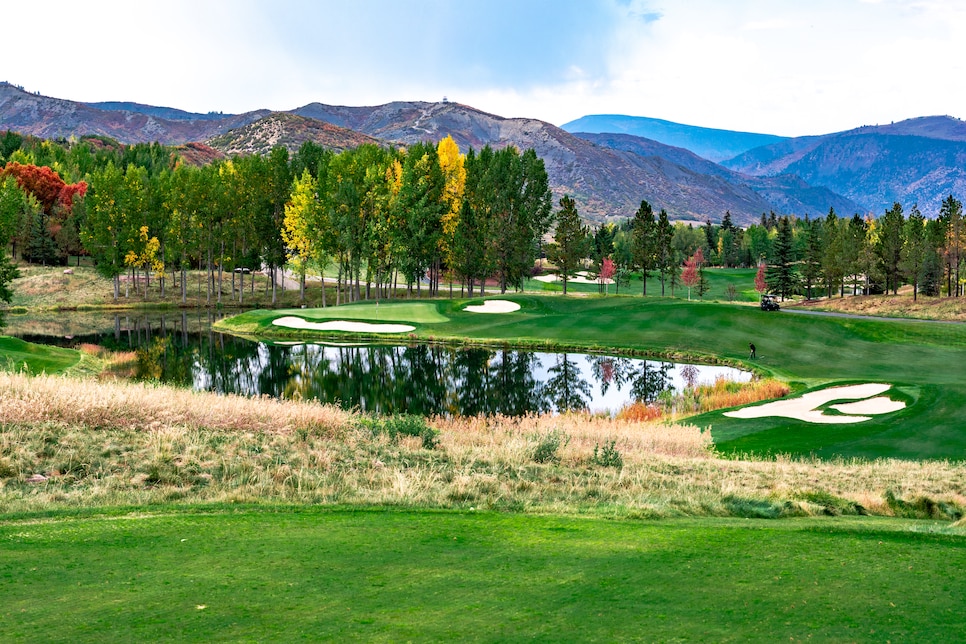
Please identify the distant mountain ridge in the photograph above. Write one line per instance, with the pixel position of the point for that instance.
(168, 113)
(606, 181)
(712, 144)
(862, 170)
(784, 193)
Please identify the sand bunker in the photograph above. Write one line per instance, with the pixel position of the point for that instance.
(579, 278)
(293, 322)
(877, 405)
(806, 407)
(494, 306)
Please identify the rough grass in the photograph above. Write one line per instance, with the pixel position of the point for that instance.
(896, 306)
(45, 288)
(141, 406)
(113, 444)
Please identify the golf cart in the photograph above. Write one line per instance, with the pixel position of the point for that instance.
(769, 303)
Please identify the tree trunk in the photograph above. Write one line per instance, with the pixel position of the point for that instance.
(274, 285)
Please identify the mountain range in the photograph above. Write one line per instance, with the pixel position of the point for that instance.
(712, 144)
(694, 173)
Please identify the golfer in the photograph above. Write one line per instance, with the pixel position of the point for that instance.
(751, 345)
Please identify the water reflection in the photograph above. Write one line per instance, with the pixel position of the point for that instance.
(181, 349)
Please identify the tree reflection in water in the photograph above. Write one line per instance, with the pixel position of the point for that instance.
(182, 349)
(647, 379)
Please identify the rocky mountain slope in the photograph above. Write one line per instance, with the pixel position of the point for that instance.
(918, 161)
(54, 118)
(862, 170)
(289, 131)
(607, 181)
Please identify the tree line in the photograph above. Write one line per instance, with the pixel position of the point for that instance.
(382, 218)
(415, 218)
(828, 255)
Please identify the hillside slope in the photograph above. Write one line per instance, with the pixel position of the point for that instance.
(917, 161)
(53, 118)
(607, 182)
(784, 193)
(289, 131)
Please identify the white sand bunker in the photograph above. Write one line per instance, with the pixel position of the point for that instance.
(579, 278)
(806, 407)
(494, 306)
(292, 322)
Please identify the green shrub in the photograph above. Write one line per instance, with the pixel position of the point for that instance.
(545, 451)
(923, 508)
(607, 456)
(831, 504)
(752, 508)
(404, 425)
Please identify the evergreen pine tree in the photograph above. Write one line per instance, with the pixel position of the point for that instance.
(643, 245)
(781, 275)
(570, 241)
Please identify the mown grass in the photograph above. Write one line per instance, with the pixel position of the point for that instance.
(284, 574)
(163, 514)
(724, 285)
(316, 523)
(17, 355)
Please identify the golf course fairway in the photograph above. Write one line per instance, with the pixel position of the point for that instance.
(921, 360)
(249, 574)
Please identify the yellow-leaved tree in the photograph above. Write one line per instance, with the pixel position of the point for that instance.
(143, 254)
(451, 163)
(296, 226)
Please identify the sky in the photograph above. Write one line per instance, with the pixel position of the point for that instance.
(786, 67)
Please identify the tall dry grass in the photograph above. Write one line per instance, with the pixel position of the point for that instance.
(700, 399)
(123, 405)
(725, 393)
(115, 444)
(899, 306)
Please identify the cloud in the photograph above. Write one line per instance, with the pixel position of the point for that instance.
(756, 65)
(766, 25)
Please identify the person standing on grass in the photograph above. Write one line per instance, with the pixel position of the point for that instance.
(751, 345)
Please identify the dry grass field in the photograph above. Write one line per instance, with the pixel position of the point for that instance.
(895, 306)
(70, 443)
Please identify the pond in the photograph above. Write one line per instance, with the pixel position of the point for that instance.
(180, 348)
